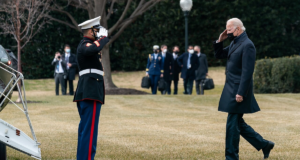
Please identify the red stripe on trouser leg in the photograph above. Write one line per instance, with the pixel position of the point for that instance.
(92, 132)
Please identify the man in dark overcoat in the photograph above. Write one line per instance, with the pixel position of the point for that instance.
(189, 63)
(71, 61)
(176, 69)
(202, 70)
(237, 97)
(167, 61)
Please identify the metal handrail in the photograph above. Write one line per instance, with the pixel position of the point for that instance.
(18, 78)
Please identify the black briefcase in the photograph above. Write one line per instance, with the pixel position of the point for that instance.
(208, 84)
(146, 82)
(162, 84)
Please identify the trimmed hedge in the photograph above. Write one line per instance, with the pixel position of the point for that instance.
(280, 75)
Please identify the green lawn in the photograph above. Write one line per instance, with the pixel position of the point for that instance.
(156, 126)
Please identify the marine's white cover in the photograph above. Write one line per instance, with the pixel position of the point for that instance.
(155, 47)
(90, 23)
(18, 140)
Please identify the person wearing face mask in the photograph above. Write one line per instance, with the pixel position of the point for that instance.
(167, 62)
(71, 61)
(237, 97)
(176, 69)
(202, 70)
(155, 68)
(90, 92)
(189, 63)
(60, 71)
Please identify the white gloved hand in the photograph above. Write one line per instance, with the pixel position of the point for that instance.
(102, 32)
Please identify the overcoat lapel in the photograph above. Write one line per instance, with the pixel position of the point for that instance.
(240, 41)
(233, 49)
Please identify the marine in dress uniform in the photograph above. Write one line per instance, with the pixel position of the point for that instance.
(154, 68)
(90, 91)
(237, 97)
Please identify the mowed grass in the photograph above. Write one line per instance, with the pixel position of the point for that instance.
(156, 126)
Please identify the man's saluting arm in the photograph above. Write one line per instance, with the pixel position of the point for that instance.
(221, 53)
(95, 47)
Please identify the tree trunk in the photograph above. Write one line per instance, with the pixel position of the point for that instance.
(19, 57)
(20, 70)
(109, 84)
(100, 11)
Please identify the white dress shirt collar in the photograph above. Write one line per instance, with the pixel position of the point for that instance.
(199, 54)
(174, 55)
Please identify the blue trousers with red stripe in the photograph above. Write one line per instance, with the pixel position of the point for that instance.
(89, 112)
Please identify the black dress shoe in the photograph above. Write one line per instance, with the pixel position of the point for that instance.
(185, 93)
(268, 149)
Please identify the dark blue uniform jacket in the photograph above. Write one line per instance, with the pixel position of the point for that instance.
(90, 86)
(155, 66)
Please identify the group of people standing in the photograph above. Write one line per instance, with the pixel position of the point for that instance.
(65, 66)
(165, 65)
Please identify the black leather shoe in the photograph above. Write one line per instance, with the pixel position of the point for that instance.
(268, 149)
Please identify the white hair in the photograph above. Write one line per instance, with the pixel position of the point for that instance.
(237, 23)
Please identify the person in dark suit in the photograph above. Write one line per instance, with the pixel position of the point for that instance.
(176, 69)
(189, 63)
(60, 72)
(90, 92)
(167, 61)
(237, 97)
(71, 61)
(202, 70)
(154, 68)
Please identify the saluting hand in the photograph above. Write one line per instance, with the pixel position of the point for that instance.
(223, 36)
(102, 32)
(239, 98)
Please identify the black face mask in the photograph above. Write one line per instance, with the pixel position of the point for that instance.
(231, 36)
(176, 52)
(95, 35)
(156, 51)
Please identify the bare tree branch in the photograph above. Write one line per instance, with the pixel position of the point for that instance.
(120, 19)
(138, 7)
(63, 22)
(23, 20)
(75, 24)
(83, 4)
(99, 8)
(133, 17)
(146, 6)
(111, 10)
